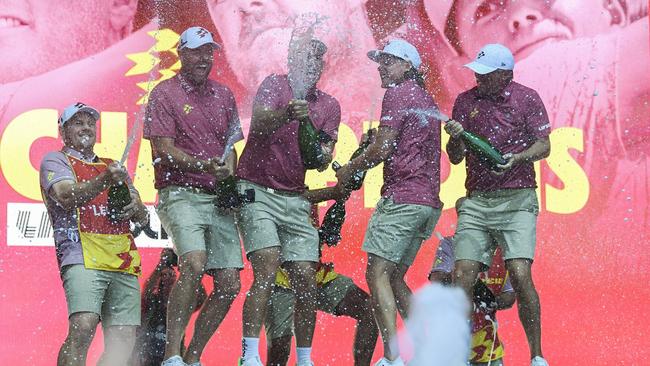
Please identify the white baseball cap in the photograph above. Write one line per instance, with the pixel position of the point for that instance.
(194, 37)
(492, 57)
(73, 109)
(398, 48)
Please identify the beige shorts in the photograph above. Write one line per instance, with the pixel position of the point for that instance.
(396, 230)
(278, 219)
(114, 296)
(508, 216)
(279, 312)
(193, 222)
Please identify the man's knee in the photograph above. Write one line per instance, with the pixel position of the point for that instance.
(520, 274)
(82, 328)
(465, 273)
(192, 264)
(227, 285)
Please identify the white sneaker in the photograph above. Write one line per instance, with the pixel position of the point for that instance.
(305, 363)
(385, 362)
(174, 361)
(253, 361)
(538, 361)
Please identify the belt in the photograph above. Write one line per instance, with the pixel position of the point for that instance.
(201, 190)
(279, 192)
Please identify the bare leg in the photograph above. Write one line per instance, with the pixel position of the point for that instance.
(81, 330)
(278, 351)
(265, 263)
(465, 275)
(226, 288)
(378, 275)
(182, 299)
(527, 303)
(357, 304)
(401, 290)
(118, 344)
(303, 280)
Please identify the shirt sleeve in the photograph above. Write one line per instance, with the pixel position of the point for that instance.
(159, 118)
(457, 111)
(392, 113)
(54, 168)
(268, 95)
(444, 261)
(537, 122)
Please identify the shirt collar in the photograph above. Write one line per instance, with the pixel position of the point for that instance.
(78, 155)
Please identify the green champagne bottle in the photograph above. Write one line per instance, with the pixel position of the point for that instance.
(482, 147)
(227, 195)
(309, 141)
(330, 230)
(118, 197)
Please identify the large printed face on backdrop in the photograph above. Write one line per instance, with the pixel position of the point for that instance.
(37, 36)
(524, 25)
(256, 34)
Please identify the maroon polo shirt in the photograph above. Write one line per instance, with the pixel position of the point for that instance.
(512, 121)
(199, 119)
(412, 172)
(274, 160)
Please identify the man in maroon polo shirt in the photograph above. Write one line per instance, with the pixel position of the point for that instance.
(501, 204)
(276, 228)
(408, 143)
(192, 123)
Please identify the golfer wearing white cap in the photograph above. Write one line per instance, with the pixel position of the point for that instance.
(97, 258)
(500, 204)
(408, 143)
(190, 120)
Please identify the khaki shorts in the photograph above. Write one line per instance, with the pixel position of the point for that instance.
(279, 312)
(193, 222)
(278, 219)
(396, 230)
(508, 216)
(114, 296)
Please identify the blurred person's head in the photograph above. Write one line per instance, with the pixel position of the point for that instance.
(524, 25)
(37, 36)
(78, 127)
(256, 34)
(196, 52)
(493, 68)
(398, 61)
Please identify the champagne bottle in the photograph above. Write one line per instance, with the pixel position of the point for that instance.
(330, 230)
(482, 147)
(118, 197)
(227, 195)
(309, 140)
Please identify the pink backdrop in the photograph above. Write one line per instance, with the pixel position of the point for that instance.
(592, 264)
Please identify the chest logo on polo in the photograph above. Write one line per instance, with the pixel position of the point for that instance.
(187, 108)
(473, 113)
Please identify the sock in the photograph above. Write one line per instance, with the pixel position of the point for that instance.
(250, 347)
(303, 354)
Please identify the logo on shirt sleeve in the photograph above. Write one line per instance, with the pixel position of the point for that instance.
(50, 175)
(473, 113)
(187, 108)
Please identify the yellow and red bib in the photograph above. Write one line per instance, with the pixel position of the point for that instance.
(107, 245)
